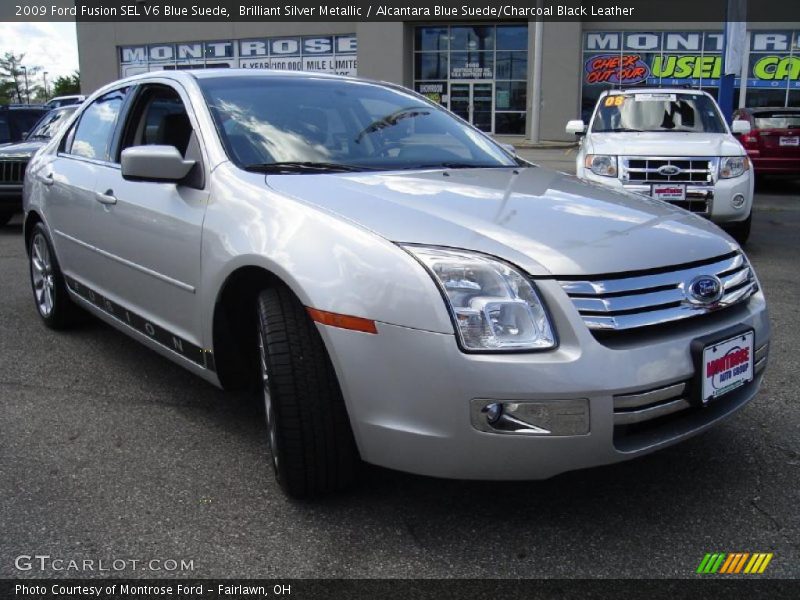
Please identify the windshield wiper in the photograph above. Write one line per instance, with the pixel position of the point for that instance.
(38, 137)
(460, 165)
(304, 167)
(391, 120)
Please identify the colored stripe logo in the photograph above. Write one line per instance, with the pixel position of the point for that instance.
(735, 562)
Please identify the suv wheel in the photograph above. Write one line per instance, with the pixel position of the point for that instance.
(741, 231)
(49, 290)
(312, 445)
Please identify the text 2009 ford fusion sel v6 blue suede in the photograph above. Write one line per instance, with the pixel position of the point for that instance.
(399, 288)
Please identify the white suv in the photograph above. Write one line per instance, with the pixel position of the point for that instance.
(673, 145)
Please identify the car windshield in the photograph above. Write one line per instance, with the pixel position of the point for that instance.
(693, 113)
(51, 124)
(777, 120)
(313, 124)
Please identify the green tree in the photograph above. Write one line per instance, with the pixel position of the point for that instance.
(66, 85)
(12, 78)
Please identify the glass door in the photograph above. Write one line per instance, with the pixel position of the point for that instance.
(460, 102)
(473, 102)
(482, 103)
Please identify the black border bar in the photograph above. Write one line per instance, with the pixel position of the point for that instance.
(781, 12)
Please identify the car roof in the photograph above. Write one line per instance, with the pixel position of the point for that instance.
(190, 76)
(24, 107)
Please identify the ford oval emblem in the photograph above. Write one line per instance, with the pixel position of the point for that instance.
(668, 170)
(705, 290)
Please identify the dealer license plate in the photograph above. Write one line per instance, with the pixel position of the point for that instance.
(668, 192)
(727, 365)
(789, 140)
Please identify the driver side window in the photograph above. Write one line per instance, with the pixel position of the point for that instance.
(159, 118)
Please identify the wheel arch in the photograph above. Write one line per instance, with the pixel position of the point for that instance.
(31, 219)
(234, 323)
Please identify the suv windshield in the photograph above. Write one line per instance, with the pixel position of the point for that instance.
(51, 123)
(693, 113)
(293, 124)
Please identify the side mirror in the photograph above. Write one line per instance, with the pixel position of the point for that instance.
(576, 126)
(740, 126)
(154, 163)
(509, 148)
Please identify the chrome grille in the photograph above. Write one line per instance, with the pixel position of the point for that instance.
(645, 169)
(12, 171)
(629, 302)
(640, 407)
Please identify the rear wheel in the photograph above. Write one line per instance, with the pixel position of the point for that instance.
(5, 217)
(741, 231)
(49, 289)
(312, 445)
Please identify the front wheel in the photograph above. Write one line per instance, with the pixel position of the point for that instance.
(311, 443)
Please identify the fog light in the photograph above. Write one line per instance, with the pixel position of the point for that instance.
(737, 201)
(531, 417)
(493, 412)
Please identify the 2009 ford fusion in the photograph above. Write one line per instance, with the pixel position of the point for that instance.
(398, 287)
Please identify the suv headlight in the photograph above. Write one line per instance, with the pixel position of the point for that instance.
(733, 166)
(495, 307)
(601, 164)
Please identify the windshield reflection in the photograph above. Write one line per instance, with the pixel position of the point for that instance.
(311, 121)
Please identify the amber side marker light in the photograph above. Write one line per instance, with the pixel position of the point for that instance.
(342, 321)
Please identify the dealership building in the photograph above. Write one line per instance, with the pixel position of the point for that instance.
(489, 73)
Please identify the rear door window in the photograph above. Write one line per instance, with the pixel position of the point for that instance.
(95, 130)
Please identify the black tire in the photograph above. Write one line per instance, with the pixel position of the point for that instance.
(5, 217)
(741, 231)
(312, 444)
(47, 281)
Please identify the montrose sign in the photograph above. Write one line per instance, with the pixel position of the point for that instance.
(329, 54)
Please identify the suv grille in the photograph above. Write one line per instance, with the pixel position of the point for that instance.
(12, 171)
(632, 301)
(648, 169)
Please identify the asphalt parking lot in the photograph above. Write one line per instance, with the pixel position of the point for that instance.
(108, 451)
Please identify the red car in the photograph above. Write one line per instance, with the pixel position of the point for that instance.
(773, 143)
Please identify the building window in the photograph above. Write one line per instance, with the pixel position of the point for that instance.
(479, 72)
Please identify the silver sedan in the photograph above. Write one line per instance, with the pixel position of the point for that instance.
(397, 286)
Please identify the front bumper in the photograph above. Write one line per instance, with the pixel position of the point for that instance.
(712, 201)
(411, 394)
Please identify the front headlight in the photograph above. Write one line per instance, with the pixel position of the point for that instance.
(601, 164)
(494, 306)
(733, 166)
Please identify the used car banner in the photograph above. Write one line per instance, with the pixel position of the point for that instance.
(687, 58)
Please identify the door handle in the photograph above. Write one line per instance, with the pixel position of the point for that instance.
(48, 179)
(107, 197)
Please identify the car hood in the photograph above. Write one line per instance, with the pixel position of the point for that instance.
(650, 143)
(547, 222)
(22, 149)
